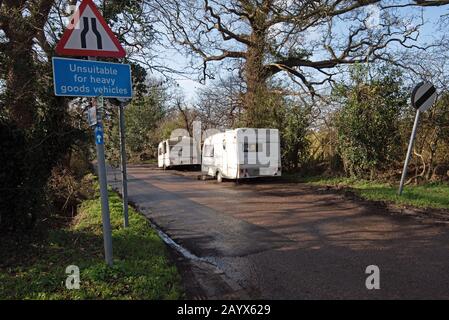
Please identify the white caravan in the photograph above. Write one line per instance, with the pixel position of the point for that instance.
(242, 153)
(181, 151)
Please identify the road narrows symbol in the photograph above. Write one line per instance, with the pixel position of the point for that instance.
(97, 34)
(84, 32)
(94, 30)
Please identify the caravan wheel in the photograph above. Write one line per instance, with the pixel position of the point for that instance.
(219, 177)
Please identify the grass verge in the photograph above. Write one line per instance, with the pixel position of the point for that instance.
(141, 270)
(432, 195)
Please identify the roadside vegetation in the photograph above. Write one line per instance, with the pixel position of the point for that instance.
(430, 195)
(141, 270)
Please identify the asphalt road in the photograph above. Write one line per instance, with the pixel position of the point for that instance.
(276, 240)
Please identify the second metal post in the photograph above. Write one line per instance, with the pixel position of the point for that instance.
(409, 152)
(123, 166)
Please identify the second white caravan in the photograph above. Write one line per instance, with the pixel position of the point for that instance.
(241, 154)
(176, 152)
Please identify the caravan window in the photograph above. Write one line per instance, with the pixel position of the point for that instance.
(252, 147)
(209, 151)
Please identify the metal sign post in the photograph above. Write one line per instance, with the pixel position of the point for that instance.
(123, 165)
(99, 141)
(409, 152)
(423, 97)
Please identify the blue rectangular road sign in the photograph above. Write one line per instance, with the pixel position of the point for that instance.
(83, 78)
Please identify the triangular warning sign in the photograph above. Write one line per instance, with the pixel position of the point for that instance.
(89, 35)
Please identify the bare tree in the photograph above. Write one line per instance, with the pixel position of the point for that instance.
(220, 104)
(303, 39)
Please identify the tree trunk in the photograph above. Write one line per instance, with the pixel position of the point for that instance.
(20, 81)
(21, 29)
(255, 73)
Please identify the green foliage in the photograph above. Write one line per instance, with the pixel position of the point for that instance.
(111, 9)
(141, 266)
(368, 122)
(139, 80)
(265, 111)
(142, 118)
(432, 140)
(169, 124)
(70, 184)
(28, 157)
(294, 136)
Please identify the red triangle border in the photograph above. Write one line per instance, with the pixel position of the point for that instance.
(61, 50)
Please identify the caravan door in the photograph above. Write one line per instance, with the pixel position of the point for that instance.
(230, 163)
(224, 157)
(160, 155)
